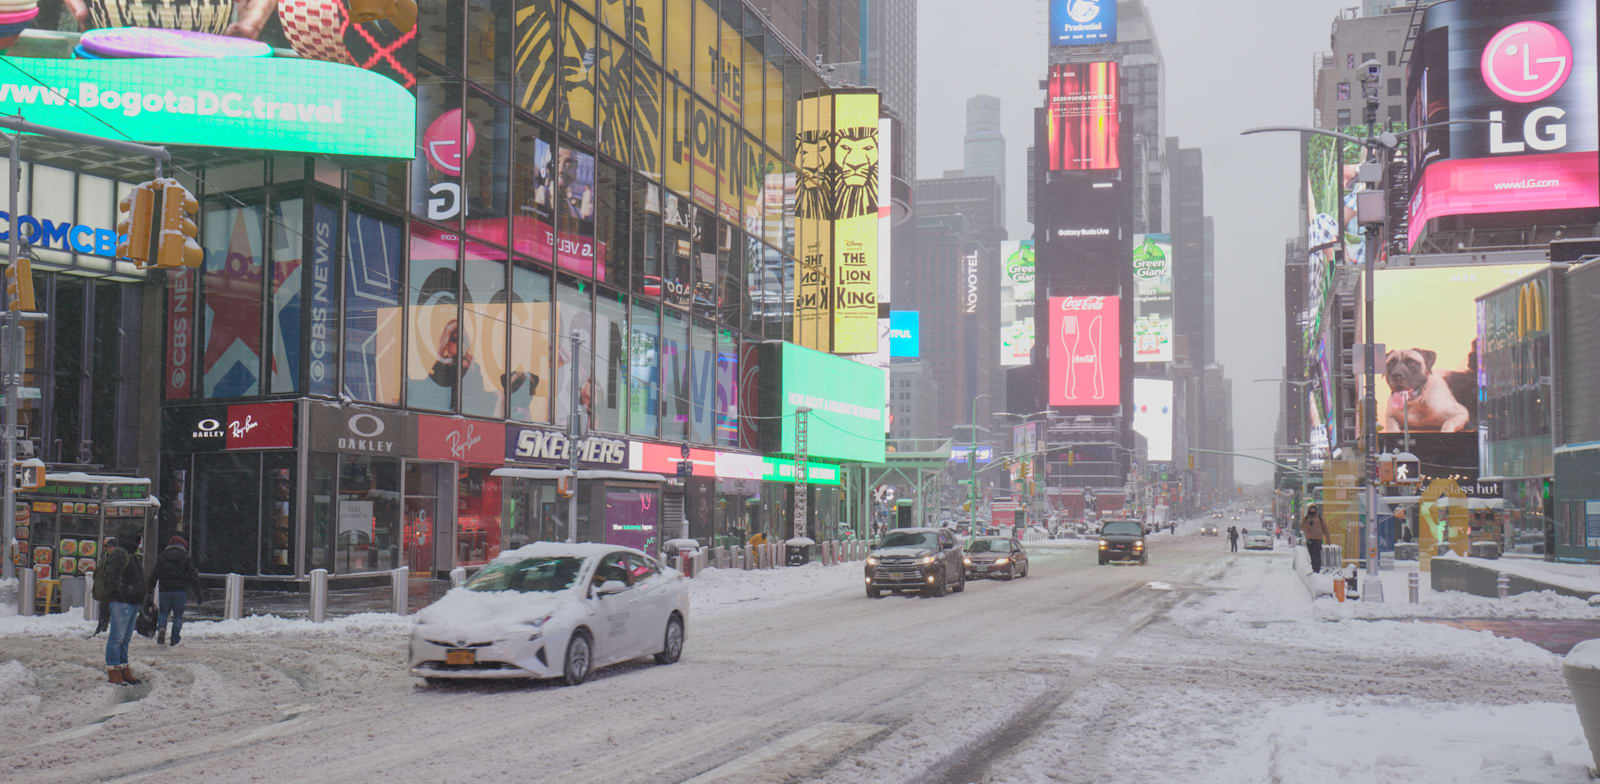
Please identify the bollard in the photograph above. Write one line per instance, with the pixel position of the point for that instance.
(27, 591)
(233, 597)
(827, 552)
(400, 584)
(747, 557)
(1413, 583)
(1503, 584)
(319, 595)
(683, 565)
(458, 576)
(91, 608)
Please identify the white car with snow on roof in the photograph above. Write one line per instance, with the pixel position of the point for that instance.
(553, 610)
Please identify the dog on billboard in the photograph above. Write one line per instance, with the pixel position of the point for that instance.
(1422, 400)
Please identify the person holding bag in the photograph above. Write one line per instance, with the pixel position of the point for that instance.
(174, 572)
(120, 582)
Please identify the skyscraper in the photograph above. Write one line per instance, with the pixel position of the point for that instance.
(983, 151)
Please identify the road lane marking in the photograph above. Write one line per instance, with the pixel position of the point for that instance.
(795, 754)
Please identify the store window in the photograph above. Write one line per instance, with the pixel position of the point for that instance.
(702, 383)
(645, 126)
(577, 322)
(727, 420)
(226, 513)
(706, 240)
(432, 321)
(278, 539)
(613, 89)
(443, 43)
(533, 218)
(436, 171)
(528, 512)
(479, 528)
(575, 208)
(677, 275)
(420, 516)
(577, 108)
(528, 387)
(490, 45)
(287, 229)
(230, 360)
(646, 254)
(611, 225)
(644, 371)
(486, 167)
(323, 524)
(675, 391)
(612, 366)
(373, 290)
(367, 515)
(485, 366)
(537, 61)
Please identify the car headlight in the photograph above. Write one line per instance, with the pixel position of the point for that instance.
(967, 561)
(925, 560)
(872, 561)
(1138, 545)
(1102, 544)
(1001, 561)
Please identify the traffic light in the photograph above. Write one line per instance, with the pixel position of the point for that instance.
(19, 285)
(138, 223)
(178, 247)
(1191, 462)
(1072, 457)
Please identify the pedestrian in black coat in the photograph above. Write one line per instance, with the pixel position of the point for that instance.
(174, 572)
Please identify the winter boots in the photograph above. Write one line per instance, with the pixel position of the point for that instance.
(127, 676)
(161, 637)
(114, 675)
(122, 676)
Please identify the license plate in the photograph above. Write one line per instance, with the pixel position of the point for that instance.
(460, 657)
(981, 568)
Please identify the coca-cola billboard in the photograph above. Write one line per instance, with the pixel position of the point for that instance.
(1085, 351)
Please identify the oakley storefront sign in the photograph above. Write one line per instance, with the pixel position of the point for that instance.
(541, 446)
(362, 431)
(219, 428)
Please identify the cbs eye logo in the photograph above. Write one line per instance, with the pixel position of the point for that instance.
(1527, 62)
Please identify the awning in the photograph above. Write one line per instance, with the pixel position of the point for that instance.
(558, 473)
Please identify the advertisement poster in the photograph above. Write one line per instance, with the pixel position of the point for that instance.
(1082, 125)
(231, 360)
(847, 419)
(813, 153)
(1016, 303)
(434, 328)
(1085, 356)
(631, 516)
(905, 334)
(836, 153)
(1153, 308)
(373, 287)
(1152, 416)
(1427, 320)
(1081, 22)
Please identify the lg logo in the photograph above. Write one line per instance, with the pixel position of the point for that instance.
(1524, 63)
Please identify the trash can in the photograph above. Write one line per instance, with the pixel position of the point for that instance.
(1582, 670)
(797, 551)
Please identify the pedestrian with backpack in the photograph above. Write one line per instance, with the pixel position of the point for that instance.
(119, 581)
(1233, 539)
(175, 575)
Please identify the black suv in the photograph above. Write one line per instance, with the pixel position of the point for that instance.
(1123, 540)
(916, 559)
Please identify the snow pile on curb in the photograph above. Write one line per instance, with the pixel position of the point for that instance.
(1316, 584)
(19, 693)
(1455, 604)
(1575, 577)
(717, 592)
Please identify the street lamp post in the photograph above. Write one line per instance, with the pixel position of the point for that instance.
(972, 471)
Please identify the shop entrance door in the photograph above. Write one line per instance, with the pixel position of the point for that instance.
(420, 512)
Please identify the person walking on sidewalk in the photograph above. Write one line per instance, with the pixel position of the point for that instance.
(1233, 539)
(1315, 531)
(175, 573)
(121, 583)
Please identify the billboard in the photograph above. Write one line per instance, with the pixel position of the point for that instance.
(1529, 69)
(262, 103)
(905, 334)
(1153, 308)
(836, 210)
(1427, 319)
(847, 419)
(1152, 416)
(1085, 351)
(1081, 123)
(1016, 303)
(1080, 22)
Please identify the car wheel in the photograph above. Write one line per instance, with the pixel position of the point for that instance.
(672, 644)
(1102, 560)
(874, 593)
(436, 682)
(1025, 569)
(961, 583)
(579, 659)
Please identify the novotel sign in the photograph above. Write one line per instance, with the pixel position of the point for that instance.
(61, 235)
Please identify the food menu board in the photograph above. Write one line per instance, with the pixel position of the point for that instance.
(63, 525)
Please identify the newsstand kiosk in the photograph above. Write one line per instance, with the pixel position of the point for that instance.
(62, 529)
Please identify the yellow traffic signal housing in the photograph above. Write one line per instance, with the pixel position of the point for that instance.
(178, 246)
(19, 285)
(138, 223)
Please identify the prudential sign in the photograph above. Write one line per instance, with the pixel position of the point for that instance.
(260, 103)
(1081, 22)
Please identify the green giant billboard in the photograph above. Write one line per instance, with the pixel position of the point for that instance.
(848, 417)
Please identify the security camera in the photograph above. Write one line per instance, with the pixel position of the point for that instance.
(1371, 71)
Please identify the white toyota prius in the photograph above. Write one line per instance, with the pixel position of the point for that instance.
(553, 610)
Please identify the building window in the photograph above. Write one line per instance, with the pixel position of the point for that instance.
(1365, 56)
(1344, 117)
(1394, 87)
(1393, 58)
(1343, 92)
(1394, 114)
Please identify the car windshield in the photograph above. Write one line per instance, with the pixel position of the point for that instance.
(1123, 528)
(529, 575)
(922, 539)
(990, 546)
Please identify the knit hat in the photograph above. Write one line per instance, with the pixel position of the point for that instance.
(178, 541)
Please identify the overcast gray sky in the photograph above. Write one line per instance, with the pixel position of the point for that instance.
(1246, 67)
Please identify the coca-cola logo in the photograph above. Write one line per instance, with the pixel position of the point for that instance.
(1083, 303)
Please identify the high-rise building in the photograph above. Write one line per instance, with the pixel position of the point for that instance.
(984, 146)
(1192, 324)
(891, 66)
(828, 31)
(914, 401)
(956, 288)
(1357, 39)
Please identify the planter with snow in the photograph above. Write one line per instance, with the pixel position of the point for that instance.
(1582, 670)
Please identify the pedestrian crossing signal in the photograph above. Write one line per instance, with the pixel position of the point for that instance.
(19, 285)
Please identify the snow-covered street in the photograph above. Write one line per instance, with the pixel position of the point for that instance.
(1204, 666)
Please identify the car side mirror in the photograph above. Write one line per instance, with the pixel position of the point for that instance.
(610, 587)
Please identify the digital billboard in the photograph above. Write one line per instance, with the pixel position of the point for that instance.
(262, 103)
(846, 399)
(905, 334)
(1153, 308)
(1081, 123)
(836, 210)
(1016, 303)
(1084, 241)
(1528, 69)
(1085, 351)
(1427, 320)
(1152, 416)
(1080, 22)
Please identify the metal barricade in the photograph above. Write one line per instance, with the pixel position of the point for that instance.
(400, 584)
(233, 597)
(319, 595)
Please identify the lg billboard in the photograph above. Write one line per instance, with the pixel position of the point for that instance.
(1082, 122)
(1529, 70)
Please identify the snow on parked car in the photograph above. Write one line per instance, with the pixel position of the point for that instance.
(553, 610)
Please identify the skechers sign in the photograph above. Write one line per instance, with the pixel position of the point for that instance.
(261, 103)
(63, 235)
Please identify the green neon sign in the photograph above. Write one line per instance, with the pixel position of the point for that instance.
(259, 103)
(780, 469)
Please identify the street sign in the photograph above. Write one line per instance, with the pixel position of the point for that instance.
(28, 393)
